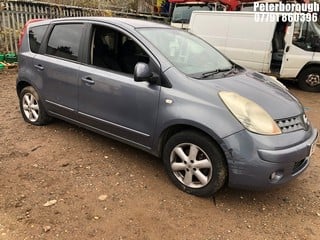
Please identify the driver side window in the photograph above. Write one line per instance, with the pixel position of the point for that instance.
(111, 49)
(302, 36)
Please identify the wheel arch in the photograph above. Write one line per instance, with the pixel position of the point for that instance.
(21, 85)
(171, 130)
(308, 65)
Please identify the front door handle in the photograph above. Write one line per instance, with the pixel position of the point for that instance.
(287, 48)
(88, 80)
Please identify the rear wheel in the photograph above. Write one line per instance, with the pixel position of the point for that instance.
(309, 79)
(32, 108)
(195, 163)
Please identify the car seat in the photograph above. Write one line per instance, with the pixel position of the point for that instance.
(128, 57)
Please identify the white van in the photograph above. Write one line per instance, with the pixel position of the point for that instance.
(285, 50)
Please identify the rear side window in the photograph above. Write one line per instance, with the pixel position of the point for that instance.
(64, 41)
(35, 37)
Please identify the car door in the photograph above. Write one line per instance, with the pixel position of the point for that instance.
(110, 101)
(58, 68)
(298, 50)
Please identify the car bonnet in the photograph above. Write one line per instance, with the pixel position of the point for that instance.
(261, 89)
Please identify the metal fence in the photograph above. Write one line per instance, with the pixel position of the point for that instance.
(14, 14)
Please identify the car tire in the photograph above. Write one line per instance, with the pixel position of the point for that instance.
(309, 79)
(32, 108)
(195, 163)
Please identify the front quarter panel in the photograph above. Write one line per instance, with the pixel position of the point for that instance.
(191, 104)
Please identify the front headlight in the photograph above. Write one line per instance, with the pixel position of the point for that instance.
(250, 115)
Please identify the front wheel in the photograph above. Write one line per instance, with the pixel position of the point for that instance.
(309, 79)
(195, 163)
(31, 107)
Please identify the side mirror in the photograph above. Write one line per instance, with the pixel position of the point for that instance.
(142, 73)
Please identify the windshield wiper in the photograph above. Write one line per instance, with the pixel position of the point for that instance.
(226, 71)
(232, 70)
(214, 72)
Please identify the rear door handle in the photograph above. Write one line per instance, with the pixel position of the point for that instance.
(39, 67)
(88, 80)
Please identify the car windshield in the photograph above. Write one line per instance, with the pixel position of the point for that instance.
(188, 53)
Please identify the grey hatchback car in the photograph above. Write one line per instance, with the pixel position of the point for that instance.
(169, 93)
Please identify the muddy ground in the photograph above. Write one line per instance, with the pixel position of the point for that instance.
(63, 182)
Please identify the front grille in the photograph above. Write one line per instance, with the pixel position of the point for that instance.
(299, 165)
(292, 124)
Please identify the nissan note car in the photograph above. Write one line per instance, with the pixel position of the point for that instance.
(169, 93)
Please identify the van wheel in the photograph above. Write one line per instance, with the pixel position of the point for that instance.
(194, 163)
(32, 108)
(309, 79)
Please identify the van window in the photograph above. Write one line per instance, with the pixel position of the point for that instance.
(305, 33)
(35, 37)
(64, 41)
(114, 50)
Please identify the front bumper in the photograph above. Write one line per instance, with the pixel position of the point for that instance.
(259, 162)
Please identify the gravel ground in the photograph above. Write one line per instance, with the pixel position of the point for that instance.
(63, 182)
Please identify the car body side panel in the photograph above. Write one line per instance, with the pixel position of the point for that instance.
(121, 106)
(59, 84)
(195, 106)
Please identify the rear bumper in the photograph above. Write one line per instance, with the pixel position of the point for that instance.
(253, 165)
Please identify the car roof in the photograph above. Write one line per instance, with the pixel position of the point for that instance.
(124, 22)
